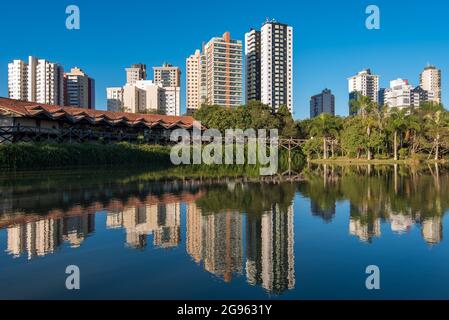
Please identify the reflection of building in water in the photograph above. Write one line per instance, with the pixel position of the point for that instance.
(365, 231)
(432, 230)
(161, 220)
(401, 223)
(327, 214)
(216, 239)
(39, 238)
(223, 244)
(35, 238)
(194, 232)
(270, 250)
(76, 229)
(114, 220)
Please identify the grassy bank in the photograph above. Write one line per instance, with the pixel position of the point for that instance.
(45, 156)
(29, 156)
(352, 161)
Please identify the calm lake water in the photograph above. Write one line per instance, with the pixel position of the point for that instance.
(135, 238)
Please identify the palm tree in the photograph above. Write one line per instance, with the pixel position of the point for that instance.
(397, 124)
(414, 129)
(366, 108)
(362, 105)
(437, 124)
(326, 126)
(370, 123)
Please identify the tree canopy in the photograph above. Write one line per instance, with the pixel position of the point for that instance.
(370, 131)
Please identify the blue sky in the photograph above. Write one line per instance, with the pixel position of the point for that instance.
(331, 41)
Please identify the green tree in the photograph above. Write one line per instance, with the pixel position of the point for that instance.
(353, 139)
(437, 125)
(397, 125)
(362, 105)
(287, 124)
(327, 127)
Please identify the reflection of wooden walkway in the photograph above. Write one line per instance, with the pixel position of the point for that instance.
(275, 179)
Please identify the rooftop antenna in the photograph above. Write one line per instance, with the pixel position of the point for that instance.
(268, 20)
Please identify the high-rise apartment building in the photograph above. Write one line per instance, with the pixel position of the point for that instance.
(419, 96)
(322, 103)
(168, 78)
(167, 75)
(134, 99)
(399, 95)
(402, 95)
(364, 83)
(252, 58)
(196, 89)
(115, 99)
(215, 76)
(38, 81)
(147, 96)
(135, 73)
(381, 97)
(430, 80)
(45, 82)
(18, 80)
(170, 101)
(277, 65)
(224, 71)
(79, 89)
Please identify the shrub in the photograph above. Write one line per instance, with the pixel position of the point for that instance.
(403, 153)
(46, 155)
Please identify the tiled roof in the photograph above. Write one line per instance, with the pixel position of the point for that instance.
(33, 109)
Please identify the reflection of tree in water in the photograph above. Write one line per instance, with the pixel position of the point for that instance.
(216, 238)
(403, 196)
(250, 198)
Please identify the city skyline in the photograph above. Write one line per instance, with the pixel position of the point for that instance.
(335, 50)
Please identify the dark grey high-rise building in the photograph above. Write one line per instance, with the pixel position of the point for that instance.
(381, 99)
(252, 55)
(322, 103)
(420, 96)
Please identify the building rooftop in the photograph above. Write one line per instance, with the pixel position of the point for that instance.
(430, 67)
(32, 109)
(273, 21)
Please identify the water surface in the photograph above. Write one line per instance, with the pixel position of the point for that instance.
(136, 238)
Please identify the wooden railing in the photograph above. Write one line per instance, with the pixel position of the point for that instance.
(29, 133)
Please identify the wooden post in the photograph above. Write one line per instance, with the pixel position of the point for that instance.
(290, 157)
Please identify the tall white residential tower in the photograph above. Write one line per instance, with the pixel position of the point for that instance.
(277, 65)
(364, 83)
(430, 80)
(38, 81)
